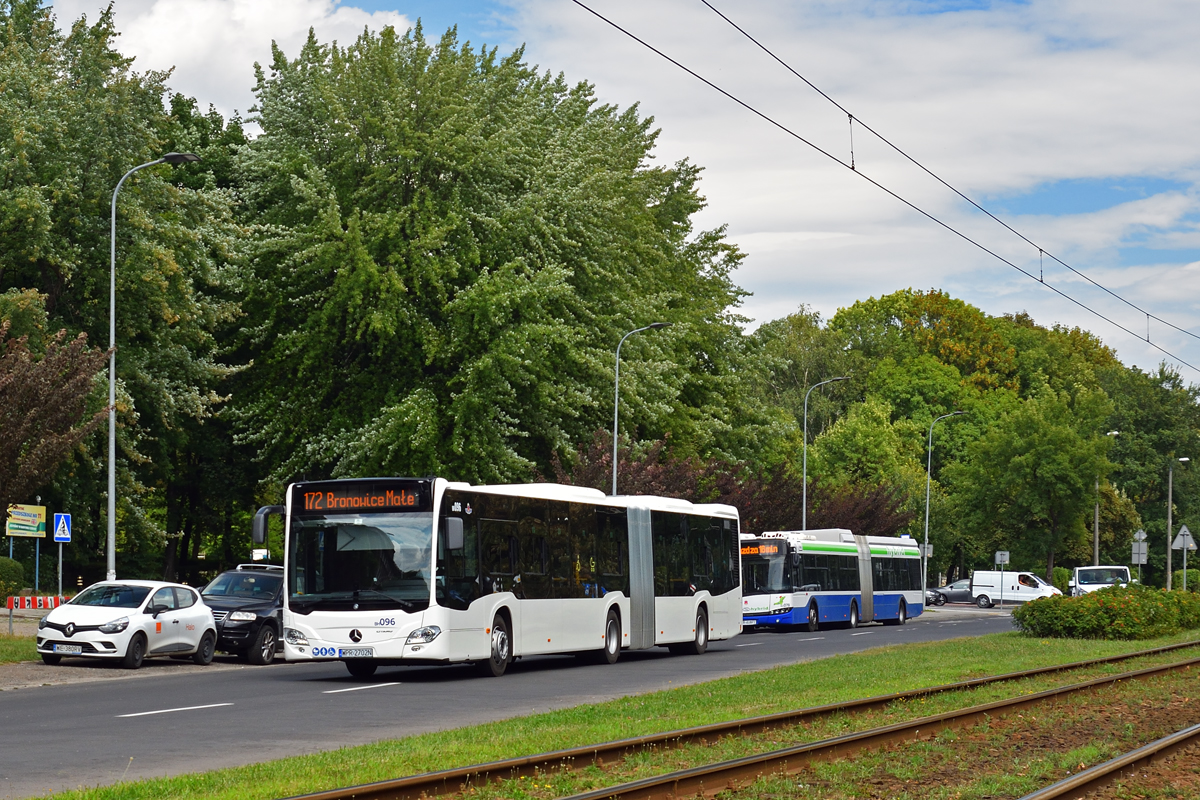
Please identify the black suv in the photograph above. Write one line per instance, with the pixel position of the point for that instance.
(247, 605)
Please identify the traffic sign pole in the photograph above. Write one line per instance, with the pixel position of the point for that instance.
(62, 534)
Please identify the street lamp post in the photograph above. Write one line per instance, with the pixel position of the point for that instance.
(169, 158)
(928, 481)
(1170, 491)
(804, 447)
(617, 393)
(1096, 519)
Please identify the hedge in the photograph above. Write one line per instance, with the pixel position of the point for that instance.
(12, 576)
(1133, 612)
(1193, 581)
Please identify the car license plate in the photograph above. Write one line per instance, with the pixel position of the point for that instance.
(749, 622)
(356, 652)
(69, 649)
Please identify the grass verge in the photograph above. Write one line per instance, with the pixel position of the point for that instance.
(880, 671)
(17, 648)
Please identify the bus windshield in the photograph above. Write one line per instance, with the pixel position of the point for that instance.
(348, 562)
(765, 569)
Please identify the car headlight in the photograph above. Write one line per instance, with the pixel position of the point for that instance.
(116, 626)
(295, 637)
(426, 634)
(42, 622)
(243, 616)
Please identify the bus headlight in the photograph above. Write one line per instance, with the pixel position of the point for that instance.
(295, 637)
(424, 635)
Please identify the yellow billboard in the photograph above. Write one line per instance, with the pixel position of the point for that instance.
(27, 521)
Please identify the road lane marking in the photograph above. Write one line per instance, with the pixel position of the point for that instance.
(172, 710)
(864, 633)
(749, 644)
(813, 639)
(356, 688)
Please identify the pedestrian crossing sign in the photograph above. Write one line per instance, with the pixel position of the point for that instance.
(62, 527)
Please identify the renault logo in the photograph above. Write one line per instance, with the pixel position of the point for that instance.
(70, 629)
(355, 635)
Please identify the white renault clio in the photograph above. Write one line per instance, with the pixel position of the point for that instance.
(130, 621)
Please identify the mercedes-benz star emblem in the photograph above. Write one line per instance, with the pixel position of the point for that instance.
(355, 636)
(70, 629)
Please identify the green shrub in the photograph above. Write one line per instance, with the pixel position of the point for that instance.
(1133, 612)
(12, 576)
(1193, 580)
(1062, 576)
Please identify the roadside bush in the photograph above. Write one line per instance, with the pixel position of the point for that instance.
(12, 576)
(1133, 612)
(1062, 576)
(1193, 581)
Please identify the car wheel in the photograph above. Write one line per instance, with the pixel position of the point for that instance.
(501, 649)
(361, 668)
(814, 618)
(51, 659)
(263, 650)
(853, 621)
(204, 653)
(136, 652)
(940, 600)
(983, 601)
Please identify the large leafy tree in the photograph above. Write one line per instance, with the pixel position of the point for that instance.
(449, 246)
(74, 117)
(1028, 481)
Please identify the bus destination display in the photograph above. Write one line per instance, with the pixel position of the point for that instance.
(368, 497)
(761, 549)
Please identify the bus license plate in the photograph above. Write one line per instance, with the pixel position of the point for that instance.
(69, 649)
(749, 622)
(356, 652)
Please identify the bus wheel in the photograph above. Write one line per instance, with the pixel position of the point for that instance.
(700, 642)
(901, 616)
(612, 639)
(363, 668)
(497, 663)
(853, 621)
(814, 618)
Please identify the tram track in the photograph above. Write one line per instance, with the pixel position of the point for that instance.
(689, 782)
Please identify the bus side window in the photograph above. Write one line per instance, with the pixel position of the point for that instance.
(458, 577)
(612, 551)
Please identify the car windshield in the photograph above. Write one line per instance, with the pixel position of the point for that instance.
(245, 585)
(370, 561)
(113, 596)
(1102, 577)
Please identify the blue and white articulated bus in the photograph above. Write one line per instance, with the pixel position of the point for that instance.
(395, 571)
(828, 577)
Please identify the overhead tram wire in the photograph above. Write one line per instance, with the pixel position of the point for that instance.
(878, 185)
(944, 182)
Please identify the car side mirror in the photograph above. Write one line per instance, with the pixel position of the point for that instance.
(454, 533)
(156, 610)
(1071, 584)
(258, 528)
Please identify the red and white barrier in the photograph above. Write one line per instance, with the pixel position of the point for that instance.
(41, 602)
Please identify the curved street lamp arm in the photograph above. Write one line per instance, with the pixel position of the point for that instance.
(617, 393)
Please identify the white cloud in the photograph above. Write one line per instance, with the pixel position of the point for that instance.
(213, 44)
(997, 101)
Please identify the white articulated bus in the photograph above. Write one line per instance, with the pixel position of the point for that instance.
(829, 576)
(406, 571)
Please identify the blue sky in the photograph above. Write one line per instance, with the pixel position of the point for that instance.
(1075, 120)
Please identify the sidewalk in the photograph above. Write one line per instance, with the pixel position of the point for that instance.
(24, 621)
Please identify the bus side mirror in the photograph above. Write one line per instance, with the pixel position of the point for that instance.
(258, 529)
(454, 533)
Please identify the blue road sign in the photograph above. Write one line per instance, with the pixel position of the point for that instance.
(62, 527)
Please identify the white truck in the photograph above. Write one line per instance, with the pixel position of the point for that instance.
(989, 587)
(1089, 579)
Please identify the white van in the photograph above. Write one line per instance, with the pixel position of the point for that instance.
(1089, 579)
(989, 587)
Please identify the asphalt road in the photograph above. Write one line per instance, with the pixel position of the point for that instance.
(171, 722)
